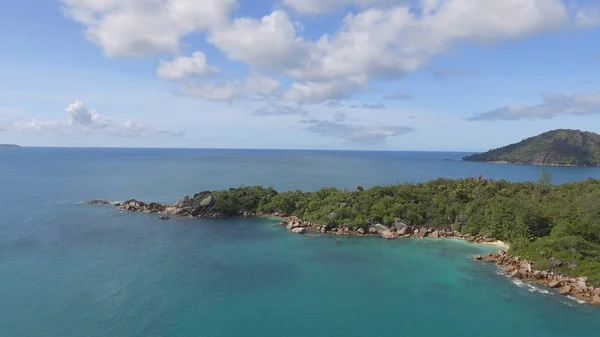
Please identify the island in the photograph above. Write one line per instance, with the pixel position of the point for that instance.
(553, 230)
(8, 145)
(560, 147)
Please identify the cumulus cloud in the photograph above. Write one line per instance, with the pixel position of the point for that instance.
(271, 43)
(263, 85)
(226, 91)
(86, 121)
(318, 92)
(133, 28)
(368, 135)
(552, 105)
(398, 96)
(325, 6)
(183, 66)
(378, 40)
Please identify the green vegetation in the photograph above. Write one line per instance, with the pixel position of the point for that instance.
(542, 222)
(557, 147)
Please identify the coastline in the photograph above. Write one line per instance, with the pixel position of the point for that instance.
(532, 164)
(513, 266)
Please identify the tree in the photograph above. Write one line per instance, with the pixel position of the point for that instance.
(545, 177)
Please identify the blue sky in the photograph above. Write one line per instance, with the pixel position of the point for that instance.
(325, 74)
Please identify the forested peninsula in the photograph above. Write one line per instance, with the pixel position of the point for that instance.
(560, 147)
(553, 230)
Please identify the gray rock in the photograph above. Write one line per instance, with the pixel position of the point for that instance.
(554, 284)
(422, 232)
(208, 201)
(299, 230)
(183, 203)
(555, 263)
(343, 205)
(372, 230)
(384, 232)
(572, 265)
(360, 231)
(332, 216)
(402, 228)
(435, 234)
(163, 217)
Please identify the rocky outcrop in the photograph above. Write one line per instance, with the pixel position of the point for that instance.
(568, 286)
(422, 232)
(384, 232)
(208, 202)
(98, 202)
(402, 228)
(133, 205)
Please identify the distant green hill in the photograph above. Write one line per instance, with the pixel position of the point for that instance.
(556, 147)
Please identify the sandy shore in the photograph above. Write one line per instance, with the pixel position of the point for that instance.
(500, 244)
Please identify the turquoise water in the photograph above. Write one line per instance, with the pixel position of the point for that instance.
(78, 270)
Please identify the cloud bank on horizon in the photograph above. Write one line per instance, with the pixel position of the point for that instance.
(300, 58)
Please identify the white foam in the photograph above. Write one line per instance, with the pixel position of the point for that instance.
(573, 298)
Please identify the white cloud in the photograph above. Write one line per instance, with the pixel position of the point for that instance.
(182, 66)
(588, 17)
(339, 117)
(263, 85)
(553, 105)
(225, 91)
(369, 135)
(280, 110)
(134, 28)
(384, 40)
(85, 121)
(317, 92)
(388, 43)
(271, 43)
(324, 6)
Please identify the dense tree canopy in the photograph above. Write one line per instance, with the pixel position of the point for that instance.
(541, 221)
(556, 147)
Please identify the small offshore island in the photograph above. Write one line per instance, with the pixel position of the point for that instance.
(9, 145)
(560, 147)
(553, 230)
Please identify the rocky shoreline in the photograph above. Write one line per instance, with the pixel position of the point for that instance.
(514, 267)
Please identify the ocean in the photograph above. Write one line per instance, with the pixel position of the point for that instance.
(68, 269)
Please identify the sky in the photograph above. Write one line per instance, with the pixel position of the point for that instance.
(423, 75)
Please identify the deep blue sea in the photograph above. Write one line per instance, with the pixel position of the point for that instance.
(79, 270)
